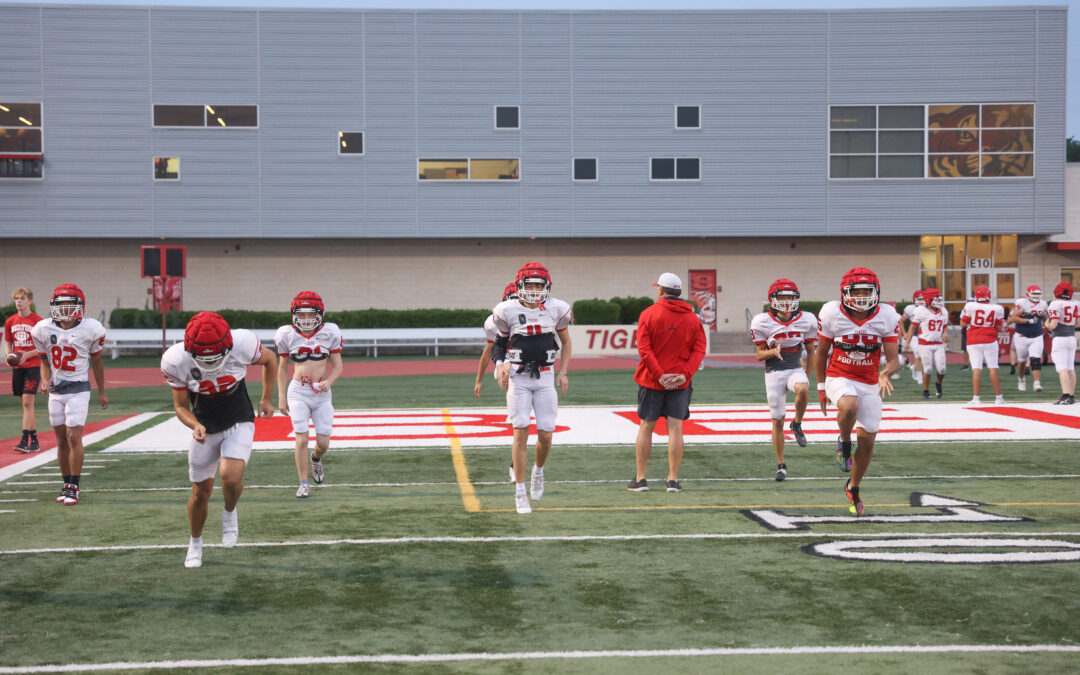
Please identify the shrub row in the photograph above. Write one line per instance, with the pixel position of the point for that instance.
(614, 311)
(357, 318)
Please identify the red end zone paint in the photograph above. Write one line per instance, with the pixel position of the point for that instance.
(47, 440)
(465, 426)
(1035, 415)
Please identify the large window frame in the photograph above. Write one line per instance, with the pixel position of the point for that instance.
(675, 173)
(22, 163)
(213, 115)
(946, 262)
(469, 174)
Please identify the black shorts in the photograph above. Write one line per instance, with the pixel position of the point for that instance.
(652, 404)
(25, 380)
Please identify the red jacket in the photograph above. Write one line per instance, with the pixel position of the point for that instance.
(671, 339)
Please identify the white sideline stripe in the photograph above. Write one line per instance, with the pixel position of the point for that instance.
(46, 456)
(5, 501)
(7, 510)
(534, 656)
(542, 540)
(48, 475)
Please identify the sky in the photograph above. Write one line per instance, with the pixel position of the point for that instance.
(1072, 122)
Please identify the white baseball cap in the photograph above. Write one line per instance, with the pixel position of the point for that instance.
(669, 280)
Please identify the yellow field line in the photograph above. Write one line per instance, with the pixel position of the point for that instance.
(672, 507)
(468, 492)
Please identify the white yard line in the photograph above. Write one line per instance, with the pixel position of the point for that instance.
(541, 656)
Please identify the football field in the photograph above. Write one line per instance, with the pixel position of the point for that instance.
(411, 557)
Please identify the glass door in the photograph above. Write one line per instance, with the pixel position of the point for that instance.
(1002, 283)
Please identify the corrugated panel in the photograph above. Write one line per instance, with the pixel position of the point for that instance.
(99, 158)
(205, 56)
(22, 213)
(1050, 122)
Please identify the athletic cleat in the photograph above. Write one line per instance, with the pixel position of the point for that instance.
(781, 472)
(304, 491)
(1037, 386)
(800, 437)
(1060, 401)
(1021, 385)
(536, 486)
(855, 502)
(34, 447)
(318, 474)
(64, 491)
(1069, 400)
(674, 486)
(938, 387)
(926, 394)
(22, 446)
(1012, 369)
(72, 496)
(230, 528)
(999, 400)
(843, 455)
(638, 485)
(194, 556)
(975, 400)
(521, 502)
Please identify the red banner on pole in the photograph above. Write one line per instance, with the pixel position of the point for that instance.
(703, 292)
(168, 294)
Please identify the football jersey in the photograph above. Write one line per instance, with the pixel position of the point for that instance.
(909, 311)
(982, 319)
(17, 334)
(531, 331)
(326, 340)
(857, 345)
(69, 350)
(1065, 311)
(1030, 310)
(766, 330)
(220, 399)
(489, 329)
(932, 323)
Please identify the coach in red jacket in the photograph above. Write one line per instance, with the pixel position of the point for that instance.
(671, 342)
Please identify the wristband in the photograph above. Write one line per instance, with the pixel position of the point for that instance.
(821, 386)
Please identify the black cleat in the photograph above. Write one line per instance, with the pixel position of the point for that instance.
(926, 394)
(938, 386)
(800, 437)
(781, 472)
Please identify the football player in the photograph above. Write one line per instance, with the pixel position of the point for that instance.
(929, 328)
(71, 345)
(779, 337)
(530, 324)
(1061, 323)
(1027, 315)
(857, 329)
(495, 349)
(912, 343)
(206, 372)
(983, 319)
(25, 364)
(309, 343)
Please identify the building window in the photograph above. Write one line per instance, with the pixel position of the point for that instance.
(1070, 274)
(687, 117)
(206, 116)
(350, 142)
(166, 168)
(946, 260)
(931, 141)
(675, 168)
(20, 140)
(585, 168)
(507, 117)
(469, 169)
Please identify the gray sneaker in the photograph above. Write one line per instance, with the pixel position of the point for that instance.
(638, 485)
(674, 486)
(800, 437)
(536, 489)
(318, 473)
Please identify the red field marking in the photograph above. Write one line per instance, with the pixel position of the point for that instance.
(276, 429)
(1036, 415)
(47, 440)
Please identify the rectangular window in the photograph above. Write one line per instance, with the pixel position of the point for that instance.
(168, 115)
(675, 168)
(688, 168)
(350, 142)
(507, 117)
(469, 169)
(166, 168)
(232, 115)
(443, 169)
(179, 116)
(687, 117)
(585, 168)
(494, 169)
(21, 144)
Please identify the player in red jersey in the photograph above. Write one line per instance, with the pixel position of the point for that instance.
(25, 364)
(857, 329)
(983, 320)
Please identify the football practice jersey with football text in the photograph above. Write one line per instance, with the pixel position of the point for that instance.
(857, 345)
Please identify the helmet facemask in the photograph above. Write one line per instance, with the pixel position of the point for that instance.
(937, 302)
(533, 295)
(211, 363)
(784, 301)
(1035, 295)
(65, 308)
(307, 319)
(860, 303)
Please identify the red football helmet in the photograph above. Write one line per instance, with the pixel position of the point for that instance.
(919, 298)
(982, 294)
(307, 311)
(1064, 291)
(784, 295)
(1033, 293)
(859, 278)
(208, 339)
(533, 273)
(932, 297)
(510, 292)
(68, 303)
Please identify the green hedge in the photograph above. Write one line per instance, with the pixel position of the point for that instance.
(596, 311)
(357, 318)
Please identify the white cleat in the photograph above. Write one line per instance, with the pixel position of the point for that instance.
(230, 528)
(536, 489)
(194, 555)
(304, 491)
(1021, 385)
(999, 400)
(1038, 386)
(975, 400)
(521, 502)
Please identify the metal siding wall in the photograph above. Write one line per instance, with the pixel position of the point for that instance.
(1050, 122)
(312, 87)
(99, 167)
(758, 77)
(22, 202)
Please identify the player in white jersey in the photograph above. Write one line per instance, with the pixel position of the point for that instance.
(983, 320)
(494, 349)
(1028, 315)
(309, 343)
(912, 343)
(530, 325)
(69, 345)
(857, 329)
(206, 373)
(779, 338)
(930, 322)
(1062, 313)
